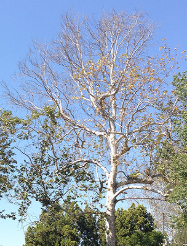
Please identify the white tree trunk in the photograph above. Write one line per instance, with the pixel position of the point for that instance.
(110, 220)
(111, 190)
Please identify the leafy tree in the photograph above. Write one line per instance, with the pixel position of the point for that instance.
(57, 227)
(48, 173)
(133, 227)
(88, 227)
(173, 154)
(8, 165)
(96, 91)
(180, 237)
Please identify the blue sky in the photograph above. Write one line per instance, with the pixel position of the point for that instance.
(22, 21)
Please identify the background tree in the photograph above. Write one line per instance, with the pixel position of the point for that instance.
(133, 227)
(8, 165)
(57, 227)
(180, 237)
(173, 153)
(104, 91)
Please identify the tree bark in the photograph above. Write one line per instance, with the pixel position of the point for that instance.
(110, 220)
(111, 188)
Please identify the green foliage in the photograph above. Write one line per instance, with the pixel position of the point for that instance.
(133, 227)
(180, 84)
(48, 170)
(88, 227)
(7, 162)
(8, 165)
(57, 227)
(173, 152)
(180, 237)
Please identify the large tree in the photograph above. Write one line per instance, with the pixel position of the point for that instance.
(101, 88)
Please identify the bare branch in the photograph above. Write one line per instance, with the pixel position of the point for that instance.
(129, 187)
(96, 163)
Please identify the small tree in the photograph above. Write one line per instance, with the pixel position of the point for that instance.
(103, 92)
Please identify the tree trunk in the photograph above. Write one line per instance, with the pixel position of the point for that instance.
(111, 190)
(110, 220)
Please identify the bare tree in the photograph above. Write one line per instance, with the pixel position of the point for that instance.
(106, 90)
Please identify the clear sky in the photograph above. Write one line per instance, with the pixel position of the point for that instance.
(22, 21)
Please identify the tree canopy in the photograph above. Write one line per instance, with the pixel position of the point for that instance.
(60, 228)
(173, 153)
(8, 163)
(133, 227)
